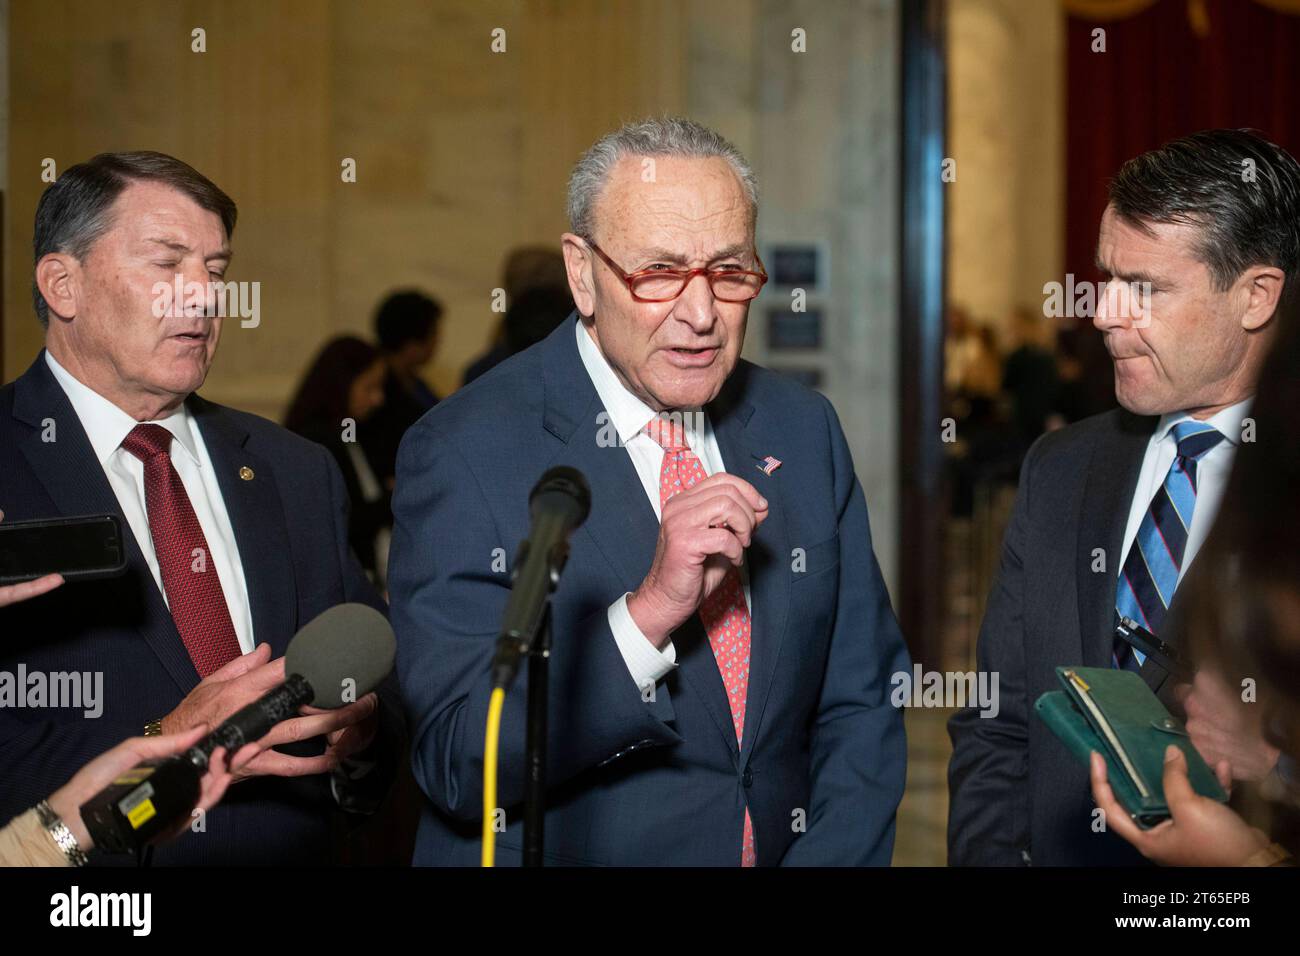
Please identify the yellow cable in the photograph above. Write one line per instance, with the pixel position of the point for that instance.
(490, 748)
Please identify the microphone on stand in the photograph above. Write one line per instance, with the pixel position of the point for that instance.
(559, 504)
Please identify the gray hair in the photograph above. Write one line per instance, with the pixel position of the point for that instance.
(668, 136)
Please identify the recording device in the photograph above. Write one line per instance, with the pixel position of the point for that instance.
(559, 504)
(1165, 655)
(337, 658)
(78, 548)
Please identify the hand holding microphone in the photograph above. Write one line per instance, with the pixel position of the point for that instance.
(338, 657)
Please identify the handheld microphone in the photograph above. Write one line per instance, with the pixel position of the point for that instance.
(337, 658)
(559, 504)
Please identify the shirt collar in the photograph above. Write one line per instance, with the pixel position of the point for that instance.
(107, 426)
(1227, 420)
(627, 412)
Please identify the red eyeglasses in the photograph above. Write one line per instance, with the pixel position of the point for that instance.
(664, 285)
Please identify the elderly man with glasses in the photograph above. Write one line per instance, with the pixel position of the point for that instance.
(723, 642)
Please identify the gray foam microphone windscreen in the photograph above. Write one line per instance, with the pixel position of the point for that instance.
(343, 653)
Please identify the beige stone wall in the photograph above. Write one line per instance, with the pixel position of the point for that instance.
(461, 153)
(1006, 86)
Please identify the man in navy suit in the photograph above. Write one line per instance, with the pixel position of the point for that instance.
(723, 640)
(235, 529)
(1198, 256)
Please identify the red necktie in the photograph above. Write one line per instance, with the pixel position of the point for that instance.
(189, 579)
(724, 613)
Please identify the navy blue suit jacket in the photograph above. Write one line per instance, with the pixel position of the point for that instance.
(290, 524)
(631, 781)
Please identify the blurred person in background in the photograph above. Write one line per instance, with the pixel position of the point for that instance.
(1241, 623)
(342, 388)
(407, 327)
(526, 268)
(1029, 376)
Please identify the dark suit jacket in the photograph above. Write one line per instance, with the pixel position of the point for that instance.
(636, 782)
(1017, 794)
(290, 522)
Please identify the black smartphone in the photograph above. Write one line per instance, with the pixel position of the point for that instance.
(78, 548)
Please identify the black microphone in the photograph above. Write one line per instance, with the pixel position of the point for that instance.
(559, 504)
(337, 658)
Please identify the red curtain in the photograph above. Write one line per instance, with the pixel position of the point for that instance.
(1177, 67)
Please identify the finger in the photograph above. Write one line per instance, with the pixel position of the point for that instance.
(372, 697)
(726, 509)
(694, 498)
(214, 782)
(314, 725)
(241, 664)
(1116, 817)
(257, 681)
(347, 742)
(1223, 770)
(1181, 691)
(1178, 788)
(13, 593)
(244, 755)
(723, 479)
(721, 541)
(1204, 681)
(275, 764)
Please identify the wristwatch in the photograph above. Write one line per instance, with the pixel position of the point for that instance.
(60, 834)
(153, 728)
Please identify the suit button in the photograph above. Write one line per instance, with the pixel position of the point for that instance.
(747, 778)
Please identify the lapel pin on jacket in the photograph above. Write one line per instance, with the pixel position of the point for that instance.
(769, 465)
(246, 473)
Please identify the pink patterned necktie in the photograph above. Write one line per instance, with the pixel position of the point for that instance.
(724, 613)
(194, 593)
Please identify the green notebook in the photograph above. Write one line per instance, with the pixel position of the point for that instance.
(1116, 714)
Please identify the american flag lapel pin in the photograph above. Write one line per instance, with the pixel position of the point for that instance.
(769, 465)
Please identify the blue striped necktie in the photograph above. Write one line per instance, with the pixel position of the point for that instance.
(1155, 557)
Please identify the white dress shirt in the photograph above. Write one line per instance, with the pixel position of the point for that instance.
(1211, 476)
(107, 426)
(629, 416)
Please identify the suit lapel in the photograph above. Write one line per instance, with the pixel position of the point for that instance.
(622, 523)
(624, 528)
(256, 514)
(1112, 474)
(744, 446)
(75, 481)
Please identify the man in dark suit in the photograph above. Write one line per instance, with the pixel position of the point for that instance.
(1198, 244)
(235, 529)
(725, 519)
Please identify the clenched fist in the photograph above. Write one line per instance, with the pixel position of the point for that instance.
(703, 534)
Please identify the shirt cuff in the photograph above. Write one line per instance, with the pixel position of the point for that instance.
(644, 661)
